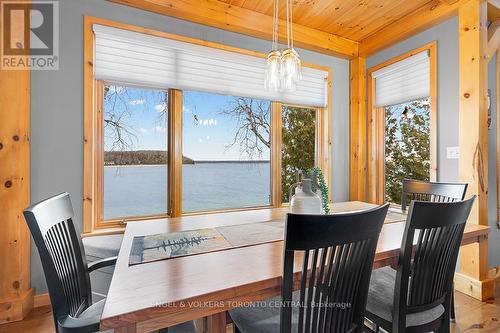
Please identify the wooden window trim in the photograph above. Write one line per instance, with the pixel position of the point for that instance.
(93, 144)
(376, 126)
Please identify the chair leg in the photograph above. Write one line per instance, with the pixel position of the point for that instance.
(445, 327)
(452, 305)
(163, 330)
(236, 329)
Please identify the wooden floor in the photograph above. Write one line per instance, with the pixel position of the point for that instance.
(472, 316)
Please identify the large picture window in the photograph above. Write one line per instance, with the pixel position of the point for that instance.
(135, 152)
(175, 127)
(298, 145)
(226, 141)
(407, 145)
(402, 117)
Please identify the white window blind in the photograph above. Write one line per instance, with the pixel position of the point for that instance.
(127, 57)
(403, 81)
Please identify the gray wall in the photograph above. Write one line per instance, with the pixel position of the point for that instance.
(57, 104)
(494, 240)
(446, 35)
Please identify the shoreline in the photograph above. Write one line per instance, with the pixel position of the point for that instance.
(196, 162)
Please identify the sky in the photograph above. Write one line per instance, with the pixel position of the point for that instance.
(206, 131)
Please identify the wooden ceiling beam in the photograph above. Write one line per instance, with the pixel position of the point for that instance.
(425, 17)
(495, 3)
(493, 10)
(493, 40)
(236, 19)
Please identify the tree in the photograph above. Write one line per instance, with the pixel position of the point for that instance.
(253, 130)
(119, 133)
(253, 125)
(407, 146)
(298, 145)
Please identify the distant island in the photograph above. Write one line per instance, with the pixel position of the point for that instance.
(139, 157)
(157, 157)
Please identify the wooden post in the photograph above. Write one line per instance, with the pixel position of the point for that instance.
(473, 142)
(358, 130)
(276, 133)
(175, 152)
(16, 296)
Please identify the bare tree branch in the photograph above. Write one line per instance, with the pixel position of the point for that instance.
(253, 128)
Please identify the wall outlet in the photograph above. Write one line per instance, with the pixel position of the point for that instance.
(452, 153)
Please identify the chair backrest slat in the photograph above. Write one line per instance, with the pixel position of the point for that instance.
(62, 255)
(338, 252)
(426, 266)
(416, 190)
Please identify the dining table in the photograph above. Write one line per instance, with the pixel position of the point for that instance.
(203, 287)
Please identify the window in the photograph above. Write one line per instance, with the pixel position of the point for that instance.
(135, 152)
(174, 126)
(298, 145)
(226, 146)
(402, 131)
(407, 145)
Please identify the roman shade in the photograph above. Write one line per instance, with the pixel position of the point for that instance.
(132, 58)
(403, 81)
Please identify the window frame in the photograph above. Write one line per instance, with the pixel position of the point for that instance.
(94, 139)
(376, 126)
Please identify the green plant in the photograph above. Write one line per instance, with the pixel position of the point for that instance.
(319, 180)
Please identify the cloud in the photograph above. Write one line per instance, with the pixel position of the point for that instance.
(207, 122)
(208, 137)
(116, 89)
(143, 130)
(137, 102)
(161, 107)
(159, 129)
(200, 140)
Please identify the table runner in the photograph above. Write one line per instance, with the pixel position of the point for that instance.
(185, 243)
(190, 242)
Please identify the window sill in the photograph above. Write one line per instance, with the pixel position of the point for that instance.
(104, 231)
(115, 228)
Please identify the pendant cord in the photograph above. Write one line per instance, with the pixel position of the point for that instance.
(276, 26)
(288, 22)
(291, 24)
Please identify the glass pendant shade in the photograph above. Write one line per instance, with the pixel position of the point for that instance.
(272, 78)
(290, 70)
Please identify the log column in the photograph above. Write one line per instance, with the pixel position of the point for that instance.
(357, 129)
(473, 142)
(16, 296)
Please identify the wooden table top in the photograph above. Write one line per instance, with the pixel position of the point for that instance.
(136, 291)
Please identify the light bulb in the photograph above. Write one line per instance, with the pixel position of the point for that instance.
(291, 70)
(272, 77)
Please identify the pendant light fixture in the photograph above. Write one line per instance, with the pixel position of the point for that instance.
(291, 67)
(273, 65)
(283, 69)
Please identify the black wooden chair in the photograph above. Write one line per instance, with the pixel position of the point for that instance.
(337, 254)
(434, 192)
(431, 191)
(65, 267)
(417, 296)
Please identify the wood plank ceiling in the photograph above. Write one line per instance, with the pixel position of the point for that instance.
(352, 19)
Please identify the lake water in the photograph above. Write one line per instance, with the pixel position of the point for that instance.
(141, 190)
